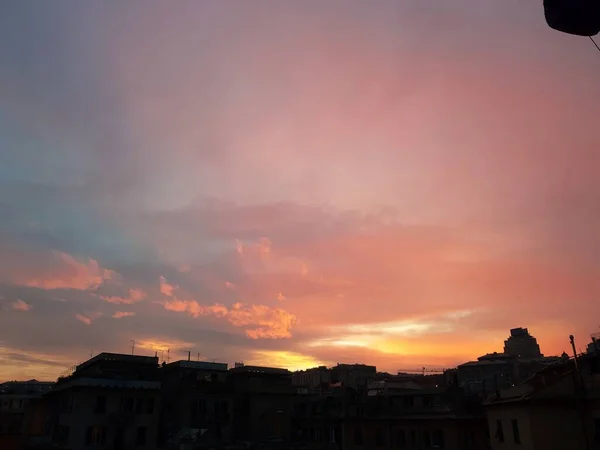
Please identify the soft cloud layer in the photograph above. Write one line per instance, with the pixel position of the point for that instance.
(121, 314)
(20, 305)
(54, 270)
(294, 183)
(133, 296)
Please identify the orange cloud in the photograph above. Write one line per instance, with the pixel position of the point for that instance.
(134, 295)
(166, 288)
(262, 322)
(194, 309)
(121, 314)
(88, 318)
(20, 305)
(64, 271)
(160, 344)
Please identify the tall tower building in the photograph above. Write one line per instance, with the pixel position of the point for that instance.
(521, 344)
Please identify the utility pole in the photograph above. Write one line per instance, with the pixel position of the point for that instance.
(581, 395)
(132, 346)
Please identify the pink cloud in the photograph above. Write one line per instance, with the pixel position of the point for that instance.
(229, 285)
(166, 288)
(57, 270)
(259, 321)
(262, 322)
(20, 305)
(134, 295)
(121, 314)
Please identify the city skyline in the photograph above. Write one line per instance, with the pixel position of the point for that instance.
(293, 184)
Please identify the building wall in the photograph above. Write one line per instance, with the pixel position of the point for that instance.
(413, 433)
(553, 428)
(543, 427)
(258, 417)
(82, 415)
(506, 414)
(312, 378)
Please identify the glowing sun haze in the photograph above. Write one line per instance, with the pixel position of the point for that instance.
(294, 183)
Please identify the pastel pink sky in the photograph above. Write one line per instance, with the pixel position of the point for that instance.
(294, 183)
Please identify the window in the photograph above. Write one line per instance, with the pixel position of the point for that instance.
(516, 434)
(62, 434)
(409, 401)
(100, 407)
(150, 406)
(358, 436)
(66, 404)
(499, 431)
(140, 437)
(413, 437)
(224, 409)
(469, 439)
(428, 401)
(127, 405)
(437, 439)
(139, 406)
(380, 438)
(95, 436)
(401, 438)
(427, 438)
(318, 436)
(332, 435)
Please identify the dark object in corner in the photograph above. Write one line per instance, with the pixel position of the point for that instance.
(578, 17)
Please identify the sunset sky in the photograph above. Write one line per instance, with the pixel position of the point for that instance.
(294, 183)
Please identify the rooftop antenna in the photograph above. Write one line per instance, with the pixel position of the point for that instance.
(198, 356)
(132, 346)
(168, 355)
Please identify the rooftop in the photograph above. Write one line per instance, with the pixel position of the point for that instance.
(151, 361)
(198, 365)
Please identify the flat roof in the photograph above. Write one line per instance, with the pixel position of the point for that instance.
(198, 365)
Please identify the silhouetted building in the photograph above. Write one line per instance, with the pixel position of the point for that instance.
(195, 396)
(489, 373)
(521, 344)
(556, 409)
(263, 400)
(16, 398)
(356, 376)
(110, 401)
(418, 418)
(313, 378)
